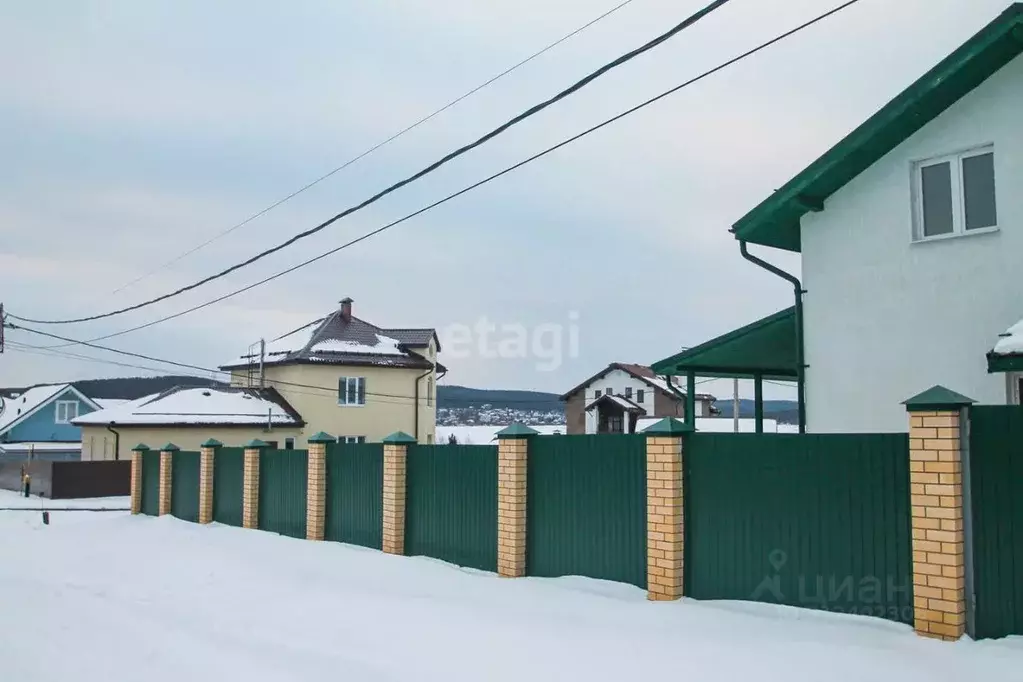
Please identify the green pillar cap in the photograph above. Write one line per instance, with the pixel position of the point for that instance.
(141, 447)
(322, 437)
(212, 443)
(937, 398)
(255, 443)
(399, 438)
(669, 426)
(169, 447)
(517, 430)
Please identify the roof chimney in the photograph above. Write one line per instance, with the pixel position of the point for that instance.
(346, 308)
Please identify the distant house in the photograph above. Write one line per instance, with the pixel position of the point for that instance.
(188, 416)
(615, 398)
(40, 420)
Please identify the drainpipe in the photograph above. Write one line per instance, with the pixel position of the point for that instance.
(798, 291)
(415, 402)
(117, 441)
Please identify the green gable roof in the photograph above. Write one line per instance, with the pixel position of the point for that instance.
(775, 222)
(517, 430)
(766, 347)
(399, 438)
(937, 398)
(668, 427)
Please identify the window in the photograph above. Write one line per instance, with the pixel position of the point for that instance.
(639, 396)
(66, 411)
(289, 443)
(955, 194)
(351, 439)
(429, 392)
(596, 394)
(351, 391)
(628, 392)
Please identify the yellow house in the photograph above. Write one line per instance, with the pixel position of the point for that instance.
(350, 378)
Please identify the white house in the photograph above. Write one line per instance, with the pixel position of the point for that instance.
(911, 235)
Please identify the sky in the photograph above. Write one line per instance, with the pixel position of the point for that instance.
(132, 132)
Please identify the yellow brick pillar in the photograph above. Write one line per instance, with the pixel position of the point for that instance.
(250, 483)
(316, 486)
(207, 453)
(664, 520)
(512, 462)
(136, 477)
(395, 454)
(166, 469)
(936, 499)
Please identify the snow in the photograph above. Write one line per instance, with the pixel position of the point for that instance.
(1011, 341)
(385, 345)
(16, 408)
(618, 400)
(486, 434)
(122, 598)
(717, 424)
(104, 403)
(193, 406)
(12, 500)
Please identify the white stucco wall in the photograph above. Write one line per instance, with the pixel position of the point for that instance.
(618, 381)
(886, 318)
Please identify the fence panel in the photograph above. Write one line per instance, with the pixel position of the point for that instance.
(817, 521)
(185, 486)
(996, 496)
(451, 504)
(283, 477)
(151, 483)
(355, 484)
(586, 507)
(228, 478)
(70, 480)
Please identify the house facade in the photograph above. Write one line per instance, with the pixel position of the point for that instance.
(350, 378)
(614, 399)
(43, 416)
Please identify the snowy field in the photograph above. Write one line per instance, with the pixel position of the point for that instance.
(106, 597)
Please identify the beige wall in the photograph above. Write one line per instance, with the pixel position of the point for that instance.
(98, 443)
(389, 399)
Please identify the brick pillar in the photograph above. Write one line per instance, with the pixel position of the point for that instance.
(512, 460)
(316, 486)
(250, 484)
(166, 467)
(664, 522)
(395, 453)
(136, 477)
(936, 499)
(206, 460)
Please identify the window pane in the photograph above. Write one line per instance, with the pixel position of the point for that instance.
(360, 387)
(979, 191)
(342, 390)
(936, 186)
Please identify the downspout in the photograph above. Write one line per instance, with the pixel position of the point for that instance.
(117, 441)
(798, 291)
(415, 402)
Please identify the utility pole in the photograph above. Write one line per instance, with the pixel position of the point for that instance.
(262, 358)
(735, 405)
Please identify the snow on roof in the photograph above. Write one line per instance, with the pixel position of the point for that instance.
(385, 345)
(225, 406)
(13, 409)
(618, 400)
(104, 403)
(1011, 342)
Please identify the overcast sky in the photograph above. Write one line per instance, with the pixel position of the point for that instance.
(133, 131)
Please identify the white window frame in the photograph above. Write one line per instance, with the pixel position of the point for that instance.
(351, 394)
(63, 406)
(955, 162)
(429, 392)
(351, 439)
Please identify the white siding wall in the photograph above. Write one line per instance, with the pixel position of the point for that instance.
(886, 318)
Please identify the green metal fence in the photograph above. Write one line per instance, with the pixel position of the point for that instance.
(185, 486)
(228, 479)
(151, 483)
(355, 483)
(817, 521)
(996, 503)
(451, 504)
(283, 477)
(586, 507)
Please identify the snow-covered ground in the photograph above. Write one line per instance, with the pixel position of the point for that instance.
(486, 434)
(12, 500)
(106, 597)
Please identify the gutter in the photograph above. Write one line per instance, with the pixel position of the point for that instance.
(117, 440)
(800, 356)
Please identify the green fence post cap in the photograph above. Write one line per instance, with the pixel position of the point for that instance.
(399, 438)
(517, 430)
(170, 447)
(669, 426)
(141, 447)
(256, 443)
(937, 398)
(322, 437)
(212, 443)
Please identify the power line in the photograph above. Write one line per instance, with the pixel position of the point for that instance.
(375, 147)
(491, 178)
(532, 111)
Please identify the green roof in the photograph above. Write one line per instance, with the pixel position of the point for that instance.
(517, 430)
(669, 426)
(1004, 363)
(775, 222)
(212, 443)
(937, 398)
(255, 444)
(399, 438)
(322, 437)
(766, 347)
(141, 447)
(170, 447)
